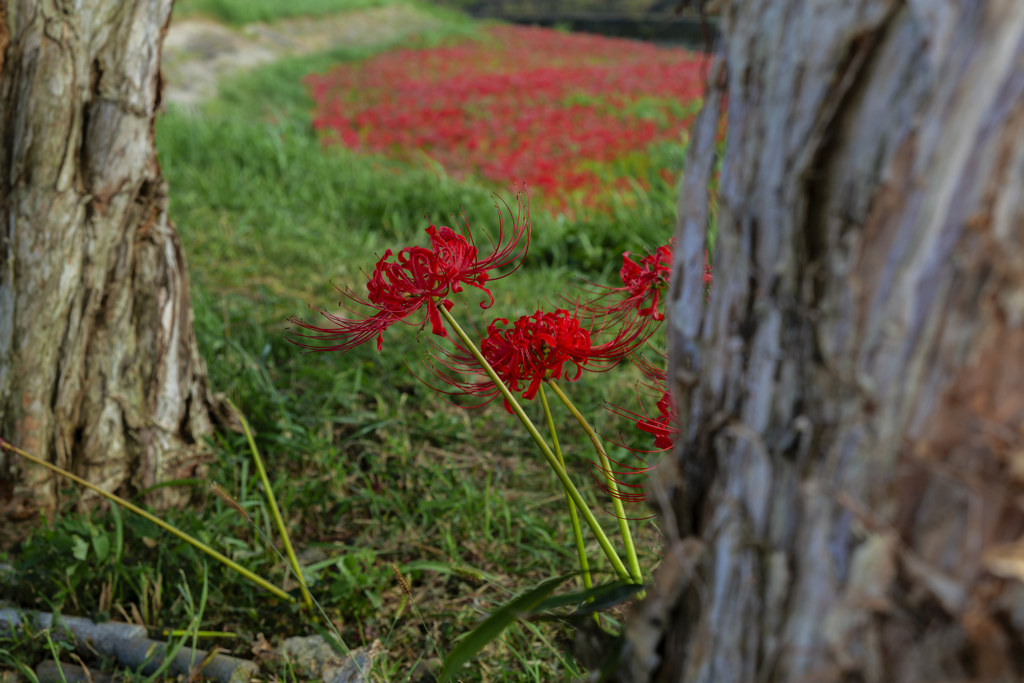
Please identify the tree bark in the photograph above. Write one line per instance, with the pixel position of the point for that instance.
(844, 502)
(99, 368)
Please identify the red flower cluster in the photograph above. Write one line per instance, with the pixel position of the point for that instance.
(530, 350)
(643, 285)
(524, 103)
(417, 278)
(535, 348)
(646, 280)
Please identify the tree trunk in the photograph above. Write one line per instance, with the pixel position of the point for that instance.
(845, 499)
(99, 368)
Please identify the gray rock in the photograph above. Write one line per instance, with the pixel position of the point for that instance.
(129, 646)
(313, 656)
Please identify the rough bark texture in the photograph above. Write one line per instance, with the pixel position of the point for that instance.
(99, 368)
(846, 498)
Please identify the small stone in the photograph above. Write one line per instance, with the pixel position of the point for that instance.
(313, 656)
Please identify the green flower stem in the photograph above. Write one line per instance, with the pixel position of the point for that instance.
(620, 512)
(581, 549)
(278, 520)
(199, 545)
(602, 539)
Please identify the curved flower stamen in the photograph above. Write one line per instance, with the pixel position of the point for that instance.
(625, 496)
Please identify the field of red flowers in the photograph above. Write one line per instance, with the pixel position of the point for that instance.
(552, 109)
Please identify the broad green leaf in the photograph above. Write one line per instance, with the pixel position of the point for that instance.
(314, 569)
(498, 621)
(77, 526)
(81, 549)
(604, 596)
(101, 544)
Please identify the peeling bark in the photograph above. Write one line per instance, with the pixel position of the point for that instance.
(852, 399)
(99, 368)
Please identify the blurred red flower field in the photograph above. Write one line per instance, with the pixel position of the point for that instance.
(522, 104)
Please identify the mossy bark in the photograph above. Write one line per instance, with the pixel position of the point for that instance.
(99, 368)
(845, 499)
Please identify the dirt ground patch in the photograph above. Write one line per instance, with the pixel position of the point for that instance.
(198, 52)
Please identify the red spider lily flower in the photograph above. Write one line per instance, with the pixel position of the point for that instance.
(535, 348)
(646, 280)
(661, 426)
(643, 284)
(418, 278)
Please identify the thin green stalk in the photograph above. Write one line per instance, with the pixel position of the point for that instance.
(270, 544)
(56, 656)
(199, 545)
(620, 512)
(581, 549)
(285, 538)
(602, 539)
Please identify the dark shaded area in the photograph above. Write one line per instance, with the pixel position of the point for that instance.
(686, 32)
(657, 21)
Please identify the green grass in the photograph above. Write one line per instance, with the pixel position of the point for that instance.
(239, 12)
(370, 466)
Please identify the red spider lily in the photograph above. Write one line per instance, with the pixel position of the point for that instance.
(527, 103)
(647, 280)
(643, 285)
(418, 278)
(535, 348)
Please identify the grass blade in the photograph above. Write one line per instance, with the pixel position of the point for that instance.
(195, 543)
(275, 511)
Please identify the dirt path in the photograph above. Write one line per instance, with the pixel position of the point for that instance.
(198, 52)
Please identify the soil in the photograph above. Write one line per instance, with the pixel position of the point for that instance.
(199, 51)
